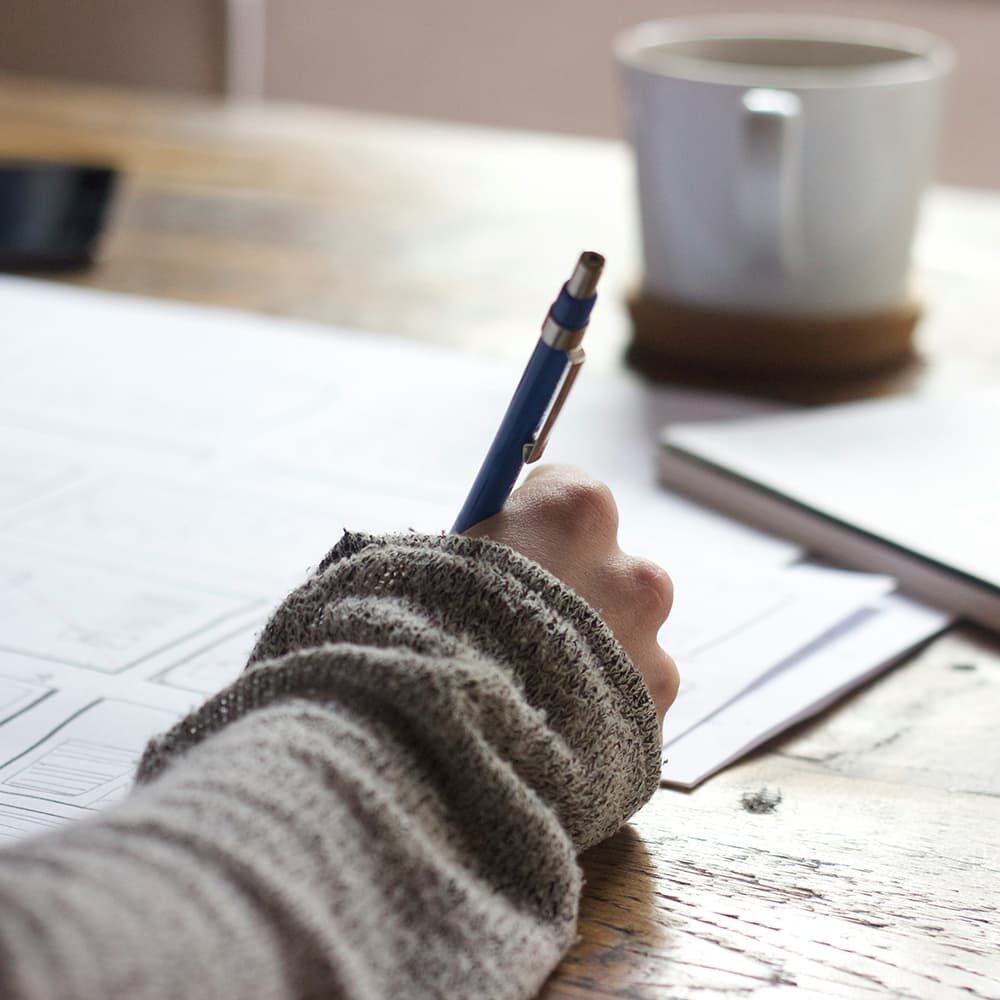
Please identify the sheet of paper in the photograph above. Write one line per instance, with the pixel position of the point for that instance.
(692, 541)
(97, 615)
(165, 488)
(728, 633)
(228, 528)
(864, 645)
(71, 735)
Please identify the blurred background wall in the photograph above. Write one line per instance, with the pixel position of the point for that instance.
(524, 63)
(172, 44)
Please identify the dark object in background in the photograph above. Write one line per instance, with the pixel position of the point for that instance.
(51, 214)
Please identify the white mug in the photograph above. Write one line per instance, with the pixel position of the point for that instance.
(781, 159)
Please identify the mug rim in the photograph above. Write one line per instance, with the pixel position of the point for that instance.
(925, 56)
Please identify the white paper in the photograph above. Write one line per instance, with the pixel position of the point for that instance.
(226, 527)
(101, 617)
(728, 634)
(70, 736)
(866, 644)
(212, 666)
(690, 541)
(19, 819)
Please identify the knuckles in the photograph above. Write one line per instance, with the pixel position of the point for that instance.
(650, 589)
(586, 509)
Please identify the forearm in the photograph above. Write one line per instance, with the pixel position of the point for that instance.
(389, 803)
(318, 873)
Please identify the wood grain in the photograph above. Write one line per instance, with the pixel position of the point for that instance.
(380, 224)
(878, 873)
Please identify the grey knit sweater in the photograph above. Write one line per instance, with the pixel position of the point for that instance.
(388, 803)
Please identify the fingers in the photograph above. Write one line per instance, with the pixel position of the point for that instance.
(567, 522)
(644, 597)
(647, 590)
(662, 678)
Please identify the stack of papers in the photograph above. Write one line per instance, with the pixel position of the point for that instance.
(171, 471)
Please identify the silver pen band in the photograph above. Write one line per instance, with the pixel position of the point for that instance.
(558, 337)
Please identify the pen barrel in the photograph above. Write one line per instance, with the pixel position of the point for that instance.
(503, 462)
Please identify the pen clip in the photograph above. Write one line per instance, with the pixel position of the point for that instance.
(532, 451)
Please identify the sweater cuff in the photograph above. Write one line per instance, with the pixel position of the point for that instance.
(453, 596)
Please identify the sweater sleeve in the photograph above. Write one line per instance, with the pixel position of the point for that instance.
(388, 802)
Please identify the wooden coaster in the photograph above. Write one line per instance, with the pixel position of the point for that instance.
(674, 342)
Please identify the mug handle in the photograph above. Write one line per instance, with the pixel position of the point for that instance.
(770, 178)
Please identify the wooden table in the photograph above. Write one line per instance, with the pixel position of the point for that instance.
(878, 874)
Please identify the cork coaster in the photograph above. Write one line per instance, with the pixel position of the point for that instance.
(677, 342)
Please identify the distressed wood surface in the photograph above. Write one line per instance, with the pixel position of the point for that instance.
(878, 871)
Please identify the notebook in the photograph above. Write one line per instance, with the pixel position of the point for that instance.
(908, 487)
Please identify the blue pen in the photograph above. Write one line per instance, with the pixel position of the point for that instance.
(539, 395)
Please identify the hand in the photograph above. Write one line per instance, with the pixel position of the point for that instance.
(568, 523)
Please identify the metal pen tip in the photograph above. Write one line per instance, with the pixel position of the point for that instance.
(583, 282)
